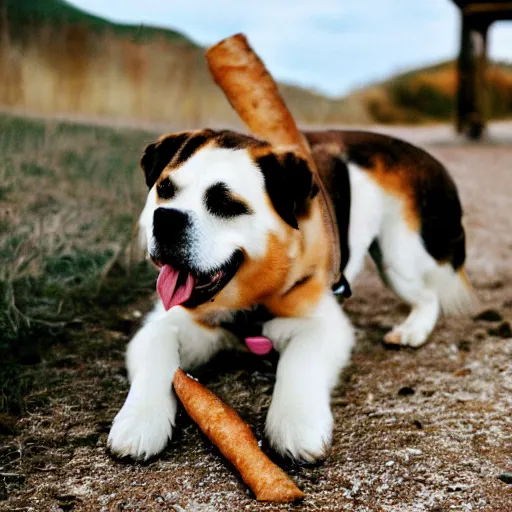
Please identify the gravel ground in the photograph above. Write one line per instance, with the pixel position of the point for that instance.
(416, 430)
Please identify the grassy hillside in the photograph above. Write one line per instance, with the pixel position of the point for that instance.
(56, 59)
(428, 94)
(59, 13)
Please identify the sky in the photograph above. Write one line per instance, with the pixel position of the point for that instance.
(333, 46)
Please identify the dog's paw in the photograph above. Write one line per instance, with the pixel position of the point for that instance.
(142, 429)
(407, 335)
(299, 434)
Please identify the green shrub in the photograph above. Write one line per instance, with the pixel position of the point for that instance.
(423, 98)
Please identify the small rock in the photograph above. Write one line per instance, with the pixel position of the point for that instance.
(506, 477)
(457, 487)
(464, 345)
(462, 396)
(172, 496)
(390, 463)
(480, 334)
(504, 330)
(67, 502)
(489, 315)
(453, 348)
(406, 390)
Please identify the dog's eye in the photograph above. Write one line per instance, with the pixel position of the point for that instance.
(166, 189)
(221, 203)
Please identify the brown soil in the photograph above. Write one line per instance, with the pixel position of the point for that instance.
(416, 430)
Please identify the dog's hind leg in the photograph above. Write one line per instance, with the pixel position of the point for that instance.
(420, 323)
(404, 265)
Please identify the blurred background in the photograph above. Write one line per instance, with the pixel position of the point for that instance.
(337, 61)
(86, 84)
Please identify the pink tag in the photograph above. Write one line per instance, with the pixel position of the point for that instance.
(259, 345)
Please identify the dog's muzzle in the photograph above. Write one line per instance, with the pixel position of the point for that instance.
(171, 230)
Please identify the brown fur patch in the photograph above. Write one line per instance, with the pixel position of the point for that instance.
(301, 282)
(313, 259)
(398, 184)
(192, 145)
(265, 277)
(299, 301)
(233, 140)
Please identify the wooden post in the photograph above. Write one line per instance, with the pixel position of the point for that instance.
(472, 67)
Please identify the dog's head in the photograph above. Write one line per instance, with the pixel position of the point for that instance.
(222, 215)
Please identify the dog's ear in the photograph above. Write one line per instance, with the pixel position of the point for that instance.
(289, 183)
(157, 156)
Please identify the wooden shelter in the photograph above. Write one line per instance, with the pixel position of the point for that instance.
(476, 18)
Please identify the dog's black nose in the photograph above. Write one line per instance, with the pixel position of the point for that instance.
(170, 230)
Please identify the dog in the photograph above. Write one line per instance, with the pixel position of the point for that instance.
(235, 226)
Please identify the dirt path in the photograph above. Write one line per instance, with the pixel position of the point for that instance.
(425, 430)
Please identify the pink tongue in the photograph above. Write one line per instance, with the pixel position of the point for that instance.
(166, 286)
(259, 345)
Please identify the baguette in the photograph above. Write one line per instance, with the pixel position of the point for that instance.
(252, 92)
(226, 430)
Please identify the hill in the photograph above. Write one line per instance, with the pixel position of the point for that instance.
(24, 13)
(57, 59)
(428, 94)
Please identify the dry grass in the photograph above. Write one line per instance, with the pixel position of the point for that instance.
(69, 197)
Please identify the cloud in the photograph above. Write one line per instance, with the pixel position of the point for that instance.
(331, 45)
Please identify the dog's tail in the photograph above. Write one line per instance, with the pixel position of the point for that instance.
(456, 295)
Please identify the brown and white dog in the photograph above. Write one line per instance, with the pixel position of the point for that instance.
(236, 226)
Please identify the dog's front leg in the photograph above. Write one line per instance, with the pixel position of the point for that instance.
(165, 341)
(313, 350)
(144, 424)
